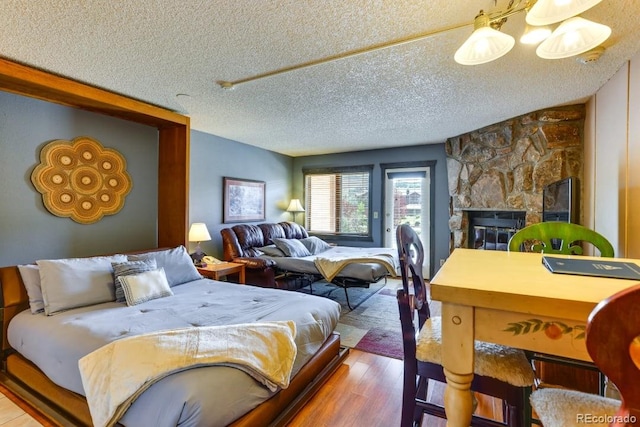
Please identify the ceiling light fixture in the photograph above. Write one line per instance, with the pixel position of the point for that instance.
(485, 44)
(545, 12)
(574, 36)
(534, 35)
(495, 46)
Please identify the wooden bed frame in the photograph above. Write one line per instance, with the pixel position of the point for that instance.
(63, 407)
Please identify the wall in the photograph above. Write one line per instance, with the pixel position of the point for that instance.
(27, 230)
(213, 158)
(393, 155)
(612, 156)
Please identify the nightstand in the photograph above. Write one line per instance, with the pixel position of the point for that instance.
(216, 271)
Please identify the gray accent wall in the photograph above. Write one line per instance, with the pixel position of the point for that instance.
(393, 155)
(27, 230)
(214, 157)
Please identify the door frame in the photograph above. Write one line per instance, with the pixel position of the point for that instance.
(429, 164)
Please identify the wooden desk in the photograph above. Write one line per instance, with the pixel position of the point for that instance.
(509, 298)
(217, 271)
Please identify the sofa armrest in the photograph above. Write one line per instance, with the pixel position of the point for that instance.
(255, 263)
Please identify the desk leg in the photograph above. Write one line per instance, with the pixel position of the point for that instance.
(457, 360)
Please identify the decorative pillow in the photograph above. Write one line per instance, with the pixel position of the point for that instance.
(77, 282)
(271, 250)
(291, 247)
(31, 278)
(146, 286)
(315, 245)
(128, 268)
(177, 264)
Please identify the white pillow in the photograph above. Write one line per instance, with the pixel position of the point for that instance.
(77, 282)
(31, 278)
(146, 286)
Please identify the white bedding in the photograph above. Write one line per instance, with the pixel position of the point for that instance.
(203, 396)
(365, 271)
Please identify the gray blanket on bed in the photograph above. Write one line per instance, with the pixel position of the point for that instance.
(207, 396)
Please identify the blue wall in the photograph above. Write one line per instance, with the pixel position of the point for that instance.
(213, 158)
(393, 155)
(27, 230)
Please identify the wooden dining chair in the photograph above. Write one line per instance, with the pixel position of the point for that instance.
(612, 340)
(500, 372)
(569, 239)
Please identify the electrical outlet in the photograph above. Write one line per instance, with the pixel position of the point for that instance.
(442, 260)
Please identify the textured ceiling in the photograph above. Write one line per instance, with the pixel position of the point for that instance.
(410, 94)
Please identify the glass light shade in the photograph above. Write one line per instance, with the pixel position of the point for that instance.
(484, 45)
(198, 232)
(545, 12)
(295, 206)
(573, 37)
(534, 35)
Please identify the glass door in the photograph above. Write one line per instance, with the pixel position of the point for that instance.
(407, 201)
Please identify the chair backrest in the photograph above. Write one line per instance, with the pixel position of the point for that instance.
(411, 257)
(613, 342)
(559, 238)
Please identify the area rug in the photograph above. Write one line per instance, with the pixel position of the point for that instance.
(374, 324)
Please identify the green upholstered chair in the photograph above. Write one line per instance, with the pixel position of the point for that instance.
(559, 238)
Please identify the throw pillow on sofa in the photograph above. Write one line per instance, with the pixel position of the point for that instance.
(291, 247)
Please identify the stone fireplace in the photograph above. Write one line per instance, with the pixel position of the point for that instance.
(504, 167)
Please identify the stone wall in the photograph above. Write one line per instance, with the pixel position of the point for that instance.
(506, 166)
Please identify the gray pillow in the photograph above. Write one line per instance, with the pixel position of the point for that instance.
(30, 274)
(291, 247)
(128, 268)
(315, 245)
(77, 282)
(177, 264)
(271, 250)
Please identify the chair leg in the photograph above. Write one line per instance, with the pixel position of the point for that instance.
(421, 393)
(517, 412)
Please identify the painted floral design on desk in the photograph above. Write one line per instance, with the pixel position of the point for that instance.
(553, 330)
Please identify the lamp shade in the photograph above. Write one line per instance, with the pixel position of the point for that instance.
(295, 206)
(198, 232)
(484, 45)
(534, 35)
(573, 37)
(545, 12)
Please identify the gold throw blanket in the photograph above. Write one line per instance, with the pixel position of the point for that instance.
(331, 267)
(114, 375)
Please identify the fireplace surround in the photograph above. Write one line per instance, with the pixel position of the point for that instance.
(505, 167)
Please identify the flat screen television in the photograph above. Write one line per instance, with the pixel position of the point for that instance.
(560, 201)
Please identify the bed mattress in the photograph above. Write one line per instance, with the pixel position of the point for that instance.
(202, 396)
(368, 272)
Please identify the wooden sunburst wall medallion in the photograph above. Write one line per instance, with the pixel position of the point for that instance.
(81, 179)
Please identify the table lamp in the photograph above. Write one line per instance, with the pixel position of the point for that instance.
(198, 233)
(294, 207)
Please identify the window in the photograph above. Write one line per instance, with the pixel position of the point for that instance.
(338, 201)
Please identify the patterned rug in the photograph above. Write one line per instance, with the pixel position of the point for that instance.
(373, 325)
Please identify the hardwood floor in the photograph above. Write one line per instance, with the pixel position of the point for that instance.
(365, 390)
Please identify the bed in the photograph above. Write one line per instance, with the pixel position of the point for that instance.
(40, 352)
(285, 256)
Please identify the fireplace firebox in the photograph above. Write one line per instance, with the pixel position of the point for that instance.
(491, 230)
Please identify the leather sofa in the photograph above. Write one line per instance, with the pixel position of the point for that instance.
(241, 242)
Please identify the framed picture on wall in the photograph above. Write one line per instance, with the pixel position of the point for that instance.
(244, 200)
